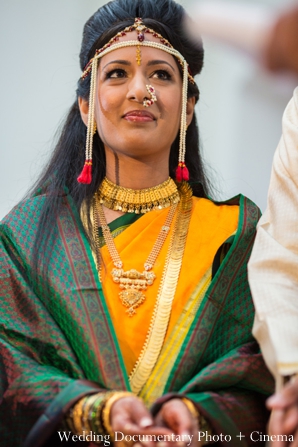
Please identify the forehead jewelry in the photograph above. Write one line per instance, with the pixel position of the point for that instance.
(153, 99)
(139, 27)
(114, 44)
(139, 55)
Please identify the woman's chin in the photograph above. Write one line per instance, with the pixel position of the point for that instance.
(137, 147)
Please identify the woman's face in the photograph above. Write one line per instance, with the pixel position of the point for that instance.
(124, 125)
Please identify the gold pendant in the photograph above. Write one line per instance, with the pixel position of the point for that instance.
(133, 283)
(132, 299)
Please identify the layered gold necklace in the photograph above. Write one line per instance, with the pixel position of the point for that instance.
(132, 283)
(138, 201)
(168, 282)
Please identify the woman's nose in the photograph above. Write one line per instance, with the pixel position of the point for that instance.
(137, 90)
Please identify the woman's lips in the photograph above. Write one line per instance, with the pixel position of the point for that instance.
(139, 116)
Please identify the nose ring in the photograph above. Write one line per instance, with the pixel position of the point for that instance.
(153, 99)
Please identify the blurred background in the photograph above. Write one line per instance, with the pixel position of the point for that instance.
(239, 112)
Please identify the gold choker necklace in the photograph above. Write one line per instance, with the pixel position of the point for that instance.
(138, 201)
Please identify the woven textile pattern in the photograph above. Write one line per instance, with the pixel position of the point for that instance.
(57, 341)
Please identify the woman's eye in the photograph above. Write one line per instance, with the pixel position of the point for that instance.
(116, 74)
(162, 74)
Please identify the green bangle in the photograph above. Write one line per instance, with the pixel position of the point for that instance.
(95, 415)
(86, 411)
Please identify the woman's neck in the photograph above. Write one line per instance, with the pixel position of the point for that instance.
(137, 174)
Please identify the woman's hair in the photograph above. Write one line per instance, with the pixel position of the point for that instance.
(60, 175)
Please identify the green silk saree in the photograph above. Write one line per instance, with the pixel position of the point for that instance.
(57, 341)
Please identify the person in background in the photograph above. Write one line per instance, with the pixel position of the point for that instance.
(273, 267)
(281, 52)
(273, 278)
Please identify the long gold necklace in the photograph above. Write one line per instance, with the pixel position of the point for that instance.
(138, 201)
(166, 294)
(131, 282)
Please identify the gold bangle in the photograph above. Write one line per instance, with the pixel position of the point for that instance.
(77, 415)
(203, 424)
(191, 408)
(69, 421)
(107, 410)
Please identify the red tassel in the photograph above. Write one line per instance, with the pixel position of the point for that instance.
(179, 173)
(182, 173)
(86, 174)
(185, 174)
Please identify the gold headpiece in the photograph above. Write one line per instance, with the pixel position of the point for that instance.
(91, 67)
(141, 30)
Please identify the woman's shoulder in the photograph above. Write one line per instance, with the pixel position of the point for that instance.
(241, 202)
(238, 208)
(27, 210)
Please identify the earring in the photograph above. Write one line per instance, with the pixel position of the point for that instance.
(86, 174)
(151, 91)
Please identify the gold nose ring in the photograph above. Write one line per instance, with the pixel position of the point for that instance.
(153, 99)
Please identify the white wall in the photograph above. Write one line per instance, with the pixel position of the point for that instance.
(40, 43)
(240, 120)
(239, 112)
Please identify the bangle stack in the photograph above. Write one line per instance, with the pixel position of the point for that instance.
(203, 424)
(85, 415)
(92, 413)
(107, 410)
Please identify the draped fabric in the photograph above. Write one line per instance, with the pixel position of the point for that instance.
(58, 337)
(205, 236)
(274, 262)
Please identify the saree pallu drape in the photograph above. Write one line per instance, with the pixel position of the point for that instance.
(58, 342)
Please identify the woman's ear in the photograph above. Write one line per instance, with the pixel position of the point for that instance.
(84, 109)
(191, 102)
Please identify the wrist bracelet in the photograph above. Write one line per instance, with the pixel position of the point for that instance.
(203, 424)
(191, 408)
(85, 413)
(106, 411)
(86, 420)
(77, 415)
(96, 416)
(69, 421)
(95, 425)
(92, 413)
